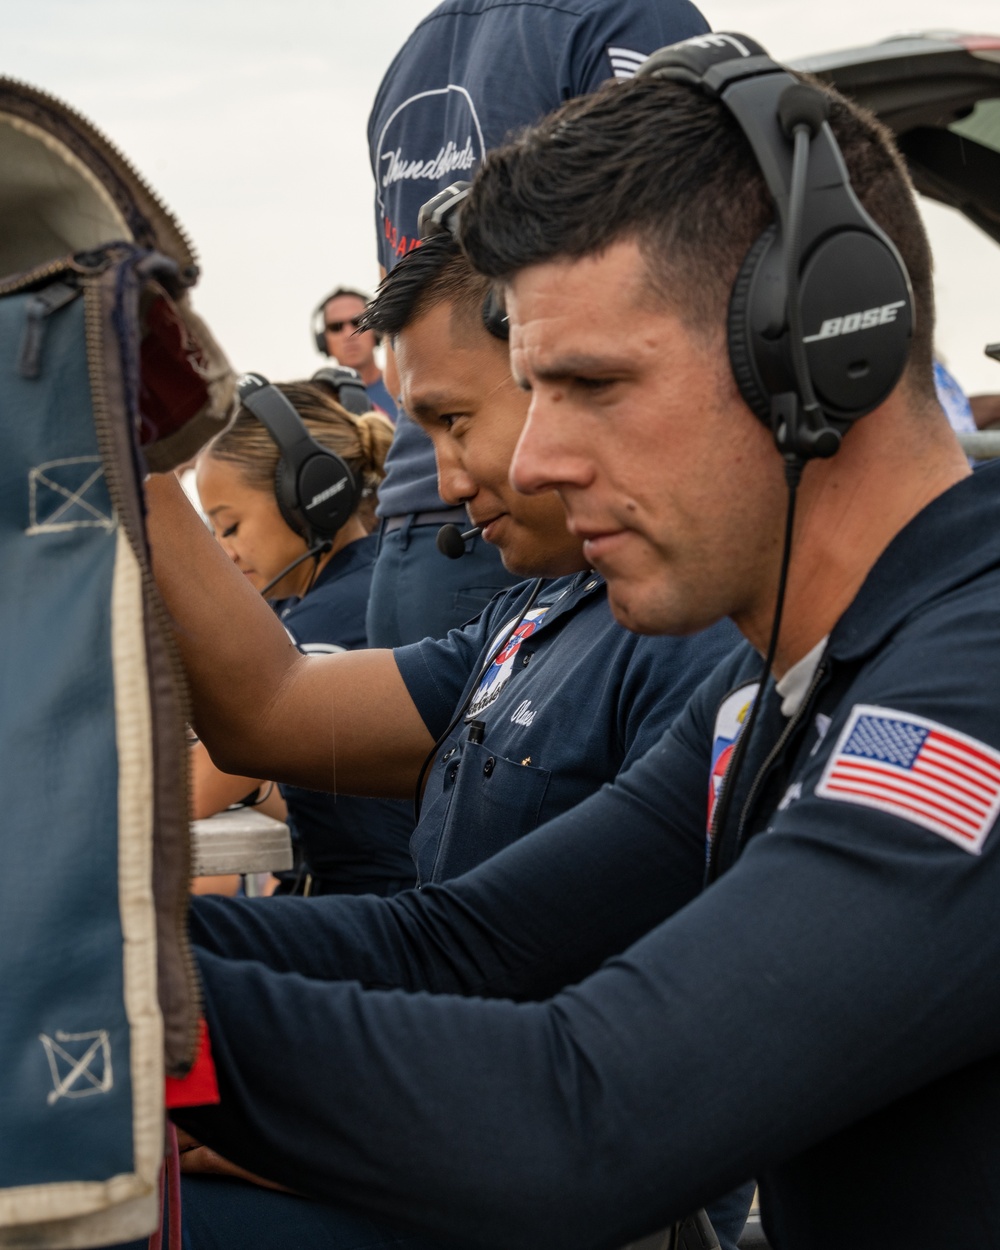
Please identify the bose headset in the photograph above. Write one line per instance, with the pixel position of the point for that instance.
(316, 490)
(440, 216)
(821, 311)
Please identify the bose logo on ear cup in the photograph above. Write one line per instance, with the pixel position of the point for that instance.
(833, 327)
(324, 495)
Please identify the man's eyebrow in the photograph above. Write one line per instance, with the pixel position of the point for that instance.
(430, 404)
(219, 507)
(582, 364)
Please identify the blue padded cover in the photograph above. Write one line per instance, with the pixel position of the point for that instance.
(65, 1084)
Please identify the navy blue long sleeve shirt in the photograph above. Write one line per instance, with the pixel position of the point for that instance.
(587, 1045)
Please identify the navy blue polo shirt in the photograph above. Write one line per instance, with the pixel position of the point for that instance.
(472, 72)
(568, 700)
(351, 842)
(332, 616)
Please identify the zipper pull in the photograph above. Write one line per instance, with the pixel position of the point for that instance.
(39, 306)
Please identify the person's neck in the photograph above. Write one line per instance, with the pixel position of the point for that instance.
(370, 373)
(309, 570)
(848, 511)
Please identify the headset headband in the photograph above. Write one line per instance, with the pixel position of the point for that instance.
(769, 102)
(347, 387)
(275, 413)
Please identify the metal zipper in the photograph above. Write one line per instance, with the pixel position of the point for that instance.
(777, 749)
(43, 273)
(94, 337)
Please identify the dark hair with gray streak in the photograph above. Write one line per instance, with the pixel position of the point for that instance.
(668, 167)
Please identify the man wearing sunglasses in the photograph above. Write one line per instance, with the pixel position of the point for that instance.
(335, 331)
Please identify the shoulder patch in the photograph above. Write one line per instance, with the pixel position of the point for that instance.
(728, 723)
(918, 770)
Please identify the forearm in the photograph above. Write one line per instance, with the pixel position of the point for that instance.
(212, 790)
(235, 652)
(544, 912)
(343, 721)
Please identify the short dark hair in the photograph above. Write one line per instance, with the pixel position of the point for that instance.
(436, 272)
(665, 165)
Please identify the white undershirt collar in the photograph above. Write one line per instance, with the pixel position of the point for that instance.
(795, 683)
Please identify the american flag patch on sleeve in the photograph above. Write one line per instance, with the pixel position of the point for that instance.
(918, 770)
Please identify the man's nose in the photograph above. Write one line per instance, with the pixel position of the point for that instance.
(548, 455)
(455, 485)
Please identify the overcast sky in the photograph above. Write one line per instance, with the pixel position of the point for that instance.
(248, 117)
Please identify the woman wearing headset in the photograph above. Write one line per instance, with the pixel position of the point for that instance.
(346, 844)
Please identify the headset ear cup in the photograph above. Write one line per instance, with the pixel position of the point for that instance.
(495, 316)
(741, 358)
(327, 493)
(318, 329)
(858, 310)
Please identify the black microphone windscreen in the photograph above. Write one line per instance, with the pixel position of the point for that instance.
(450, 542)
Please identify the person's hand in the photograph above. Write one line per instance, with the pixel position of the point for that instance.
(199, 1160)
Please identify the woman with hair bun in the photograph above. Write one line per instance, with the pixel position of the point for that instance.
(344, 843)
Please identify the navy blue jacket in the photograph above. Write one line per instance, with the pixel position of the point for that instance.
(472, 72)
(349, 843)
(604, 1047)
(565, 706)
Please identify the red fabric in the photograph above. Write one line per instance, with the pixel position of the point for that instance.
(200, 1087)
(172, 387)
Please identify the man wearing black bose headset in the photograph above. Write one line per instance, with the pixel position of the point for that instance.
(602, 1048)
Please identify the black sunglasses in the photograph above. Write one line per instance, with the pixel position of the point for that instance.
(335, 327)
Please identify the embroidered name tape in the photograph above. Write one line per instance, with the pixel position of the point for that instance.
(919, 770)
